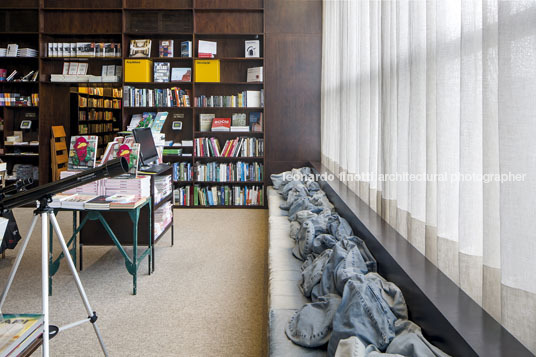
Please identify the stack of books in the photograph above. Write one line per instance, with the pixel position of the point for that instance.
(27, 52)
(162, 218)
(162, 188)
(139, 186)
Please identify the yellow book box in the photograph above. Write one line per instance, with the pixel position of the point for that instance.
(207, 70)
(138, 70)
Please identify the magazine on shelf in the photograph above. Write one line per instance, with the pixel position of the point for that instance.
(17, 331)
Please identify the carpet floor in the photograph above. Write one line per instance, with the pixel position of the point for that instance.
(207, 296)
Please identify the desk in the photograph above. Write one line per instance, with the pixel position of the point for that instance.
(132, 264)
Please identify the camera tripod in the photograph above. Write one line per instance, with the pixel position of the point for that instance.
(47, 215)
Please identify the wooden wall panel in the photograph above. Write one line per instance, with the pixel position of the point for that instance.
(239, 22)
(293, 62)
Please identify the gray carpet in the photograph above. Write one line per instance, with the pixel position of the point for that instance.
(206, 297)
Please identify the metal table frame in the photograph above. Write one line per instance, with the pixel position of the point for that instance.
(132, 264)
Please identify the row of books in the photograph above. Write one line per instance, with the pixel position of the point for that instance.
(219, 196)
(182, 171)
(152, 120)
(14, 76)
(238, 147)
(84, 102)
(13, 50)
(163, 72)
(165, 97)
(19, 100)
(245, 99)
(223, 172)
(101, 91)
(93, 115)
(80, 201)
(84, 129)
(209, 49)
(83, 49)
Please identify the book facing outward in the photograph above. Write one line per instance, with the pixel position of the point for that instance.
(221, 124)
(140, 48)
(82, 152)
(18, 331)
(120, 201)
(165, 48)
(205, 121)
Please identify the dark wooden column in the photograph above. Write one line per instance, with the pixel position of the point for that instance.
(293, 63)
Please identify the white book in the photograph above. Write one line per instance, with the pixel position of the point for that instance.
(73, 49)
(73, 68)
(60, 49)
(55, 49)
(253, 98)
(12, 50)
(207, 48)
(252, 48)
(65, 68)
(82, 68)
(255, 74)
(66, 49)
(50, 52)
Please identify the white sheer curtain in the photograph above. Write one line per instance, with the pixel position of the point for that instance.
(445, 91)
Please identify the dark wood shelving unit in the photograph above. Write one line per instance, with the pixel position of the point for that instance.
(228, 22)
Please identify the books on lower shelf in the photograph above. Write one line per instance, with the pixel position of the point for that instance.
(182, 196)
(228, 195)
(157, 97)
(224, 172)
(238, 147)
(244, 99)
(18, 331)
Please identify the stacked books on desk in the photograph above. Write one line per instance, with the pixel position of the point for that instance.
(80, 201)
(18, 332)
(137, 186)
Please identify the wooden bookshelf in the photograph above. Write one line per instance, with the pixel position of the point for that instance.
(39, 22)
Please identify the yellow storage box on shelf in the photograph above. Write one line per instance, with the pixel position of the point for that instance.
(207, 70)
(138, 70)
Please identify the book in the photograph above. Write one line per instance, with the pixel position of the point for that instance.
(255, 74)
(76, 201)
(120, 198)
(131, 204)
(134, 121)
(207, 70)
(253, 98)
(111, 147)
(12, 50)
(131, 152)
(161, 71)
(85, 49)
(181, 74)
(165, 48)
(73, 68)
(240, 128)
(159, 122)
(98, 203)
(255, 121)
(15, 329)
(252, 48)
(147, 120)
(186, 49)
(239, 119)
(82, 152)
(140, 48)
(205, 121)
(82, 68)
(207, 49)
(221, 124)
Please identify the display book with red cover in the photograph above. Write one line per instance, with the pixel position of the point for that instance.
(221, 124)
